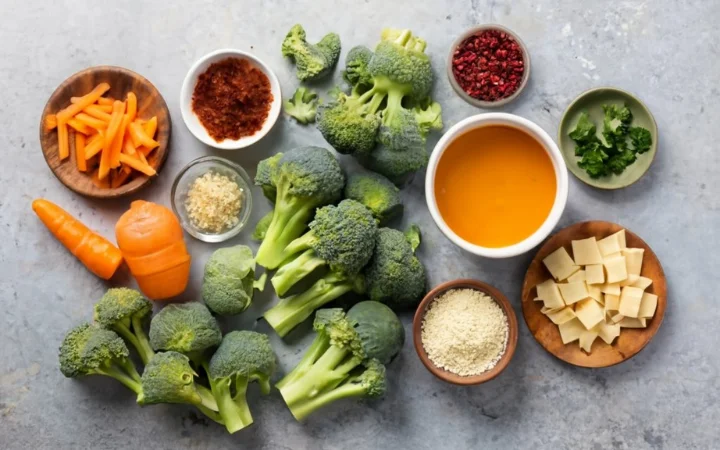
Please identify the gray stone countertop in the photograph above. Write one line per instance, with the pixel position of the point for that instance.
(664, 51)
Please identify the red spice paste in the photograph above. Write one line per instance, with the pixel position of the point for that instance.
(232, 99)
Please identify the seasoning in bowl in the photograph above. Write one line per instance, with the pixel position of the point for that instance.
(232, 99)
(465, 332)
(214, 202)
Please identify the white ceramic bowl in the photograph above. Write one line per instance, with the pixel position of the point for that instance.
(192, 121)
(550, 147)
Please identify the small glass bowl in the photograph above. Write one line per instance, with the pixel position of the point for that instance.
(198, 168)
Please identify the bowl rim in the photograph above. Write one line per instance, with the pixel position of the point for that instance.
(247, 207)
(189, 85)
(561, 177)
(510, 347)
(456, 86)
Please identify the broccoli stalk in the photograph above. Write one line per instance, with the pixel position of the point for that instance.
(125, 311)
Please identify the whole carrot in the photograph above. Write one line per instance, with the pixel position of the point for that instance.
(98, 254)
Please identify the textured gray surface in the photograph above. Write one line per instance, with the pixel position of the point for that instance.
(664, 51)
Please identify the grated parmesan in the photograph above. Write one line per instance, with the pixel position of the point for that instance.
(214, 202)
(465, 332)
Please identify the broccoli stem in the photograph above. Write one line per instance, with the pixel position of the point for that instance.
(300, 244)
(319, 345)
(136, 337)
(207, 399)
(304, 407)
(234, 411)
(129, 379)
(292, 272)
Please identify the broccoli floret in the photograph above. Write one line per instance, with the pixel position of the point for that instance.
(429, 116)
(399, 60)
(243, 357)
(229, 280)
(126, 311)
(397, 166)
(302, 106)
(377, 193)
(356, 72)
(345, 359)
(263, 176)
(313, 61)
(341, 237)
(168, 378)
(89, 350)
(262, 226)
(350, 124)
(305, 178)
(187, 328)
(395, 276)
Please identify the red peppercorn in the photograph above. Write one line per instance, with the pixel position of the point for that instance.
(489, 66)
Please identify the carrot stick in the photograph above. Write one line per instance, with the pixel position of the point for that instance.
(97, 253)
(102, 184)
(118, 142)
(128, 147)
(106, 101)
(141, 157)
(84, 101)
(97, 112)
(115, 122)
(80, 152)
(78, 126)
(91, 121)
(139, 137)
(63, 148)
(137, 165)
(95, 145)
(50, 122)
(121, 177)
(132, 105)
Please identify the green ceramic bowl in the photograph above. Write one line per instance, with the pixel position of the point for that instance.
(592, 101)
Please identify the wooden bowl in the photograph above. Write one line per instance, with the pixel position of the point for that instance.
(512, 332)
(631, 340)
(150, 103)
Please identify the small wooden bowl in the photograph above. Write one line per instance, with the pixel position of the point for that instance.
(512, 332)
(122, 81)
(631, 340)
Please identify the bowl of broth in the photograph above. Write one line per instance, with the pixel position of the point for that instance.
(496, 185)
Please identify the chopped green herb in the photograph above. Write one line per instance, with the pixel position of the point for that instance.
(641, 139)
(584, 130)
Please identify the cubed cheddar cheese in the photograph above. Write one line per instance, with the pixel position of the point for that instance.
(595, 274)
(573, 292)
(609, 245)
(560, 317)
(595, 292)
(586, 252)
(630, 280)
(545, 310)
(560, 265)
(634, 260)
(621, 239)
(587, 339)
(630, 301)
(589, 313)
(611, 288)
(612, 302)
(631, 322)
(580, 275)
(642, 283)
(648, 305)
(617, 318)
(571, 330)
(616, 269)
(548, 292)
(608, 332)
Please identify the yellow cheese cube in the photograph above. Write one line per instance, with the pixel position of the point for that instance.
(616, 269)
(589, 313)
(595, 292)
(580, 275)
(573, 292)
(631, 322)
(586, 251)
(648, 305)
(560, 317)
(634, 260)
(560, 264)
(630, 301)
(612, 302)
(617, 318)
(630, 280)
(610, 245)
(587, 339)
(611, 288)
(545, 310)
(608, 332)
(594, 274)
(550, 295)
(642, 283)
(571, 330)
(621, 239)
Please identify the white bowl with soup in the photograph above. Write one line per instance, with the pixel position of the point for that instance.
(496, 185)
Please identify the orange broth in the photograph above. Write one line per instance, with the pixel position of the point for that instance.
(495, 186)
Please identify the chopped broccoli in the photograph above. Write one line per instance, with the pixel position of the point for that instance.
(350, 124)
(356, 72)
(313, 61)
(302, 106)
(126, 311)
(243, 357)
(229, 280)
(89, 350)
(341, 237)
(187, 328)
(305, 178)
(377, 193)
(346, 358)
(395, 276)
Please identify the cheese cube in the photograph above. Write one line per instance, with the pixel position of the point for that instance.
(617, 318)
(573, 292)
(580, 275)
(560, 264)
(560, 317)
(587, 339)
(595, 292)
(545, 310)
(586, 251)
(630, 280)
(616, 269)
(621, 239)
(608, 332)
(594, 274)
(631, 322)
(642, 283)
(571, 330)
(634, 259)
(648, 305)
(589, 313)
(612, 302)
(610, 245)
(550, 295)
(611, 288)
(630, 301)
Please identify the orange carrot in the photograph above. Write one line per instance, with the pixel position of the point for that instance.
(137, 164)
(101, 183)
(98, 112)
(97, 253)
(141, 157)
(95, 145)
(63, 147)
(50, 122)
(132, 105)
(106, 101)
(80, 152)
(84, 101)
(128, 147)
(121, 177)
(117, 144)
(139, 137)
(79, 126)
(91, 121)
(117, 118)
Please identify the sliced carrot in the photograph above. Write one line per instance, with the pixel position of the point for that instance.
(96, 112)
(112, 129)
(84, 102)
(91, 121)
(132, 105)
(128, 147)
(139, 137)
(150, 127)
(50, 122)
(106, 101)
(104, 108)
(141, 157)
(94, 145)
(121, 176)
(79, 126)
(137, 165)
(102, 183)
(117, 145)
(63, 147)
(80, 152)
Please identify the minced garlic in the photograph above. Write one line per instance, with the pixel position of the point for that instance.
(213, 202)
(465, 332)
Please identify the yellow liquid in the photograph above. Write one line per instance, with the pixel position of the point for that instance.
(495, 186)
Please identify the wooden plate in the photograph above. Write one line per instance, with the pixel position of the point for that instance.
(150, 103)
(630, 341)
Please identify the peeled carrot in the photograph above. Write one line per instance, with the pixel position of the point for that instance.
(115, 122)
(50, 122)
(79, 126)
(98, 112)
(84, 101)
(128, 147)
(106, 101)
(97, 253)
(80, 152)
(63, 147)
(132, 106)
(139, 137)
(91, 121)
(117, 144)
(137, 165)
(95, 145)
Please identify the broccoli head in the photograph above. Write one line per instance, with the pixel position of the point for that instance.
(305, 178)
(126, 311)
(243, 357)
(395, 276)
(400, 60)
(229, 280)
(356, 72)
(377, 193)
(397, 166)
(312, 61)
(187, 328)
(263, 176)
(350, 124)
(302, 106)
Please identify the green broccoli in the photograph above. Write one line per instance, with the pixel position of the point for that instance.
(126, 311)
(313, 61)
(264, 174)
(350, 124)
(302, 106)
(396, 276)
(346, 359)
(89, 350)
(187, 328)
(377, 193)
(341, 237)
(262, 226)
(229, 280)
(168, 378)
(243, 357)
(356, 72)
(305, 178)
